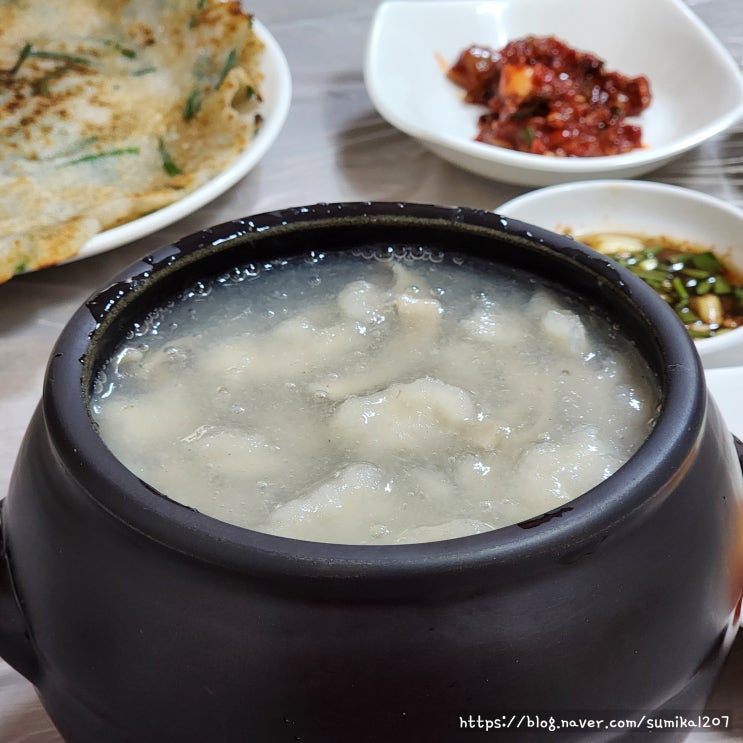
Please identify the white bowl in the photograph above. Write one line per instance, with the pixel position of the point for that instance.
(649, 208)
(697, 87)
(725, 385)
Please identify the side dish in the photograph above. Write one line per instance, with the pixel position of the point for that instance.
(109, 111)
(547, 98)
(695, 281)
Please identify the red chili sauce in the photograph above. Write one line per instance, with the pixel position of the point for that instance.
(550, 99)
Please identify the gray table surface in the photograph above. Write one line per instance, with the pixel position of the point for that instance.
(334, 147)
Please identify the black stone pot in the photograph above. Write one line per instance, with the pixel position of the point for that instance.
(142, 621)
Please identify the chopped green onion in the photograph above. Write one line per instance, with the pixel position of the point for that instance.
(704, 287)
(193, 20)
(123, 50)
(61, 56)
(251, 92)
(678, 285)
(707, 261)
(193, 105)
(696, 273)
(29, 51)
(656, 275)
(230, 62)
(686, 314)
(168, 165)
(682, 258)
(721, 286)
(107, 153)
(526, 135)
(22, 57)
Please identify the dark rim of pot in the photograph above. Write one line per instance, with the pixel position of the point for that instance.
(565, 534)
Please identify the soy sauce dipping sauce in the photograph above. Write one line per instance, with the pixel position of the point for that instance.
(701, 287)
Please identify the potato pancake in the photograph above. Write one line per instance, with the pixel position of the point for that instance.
(111, 110)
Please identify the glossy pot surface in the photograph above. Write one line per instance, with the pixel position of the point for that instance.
(142, 621)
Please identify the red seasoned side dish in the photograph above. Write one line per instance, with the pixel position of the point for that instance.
(550, 99)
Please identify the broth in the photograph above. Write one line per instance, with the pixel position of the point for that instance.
(374, 399)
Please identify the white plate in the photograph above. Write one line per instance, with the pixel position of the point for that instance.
(726, 387)
(644, 207)
(276, 92)
(697, 87)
